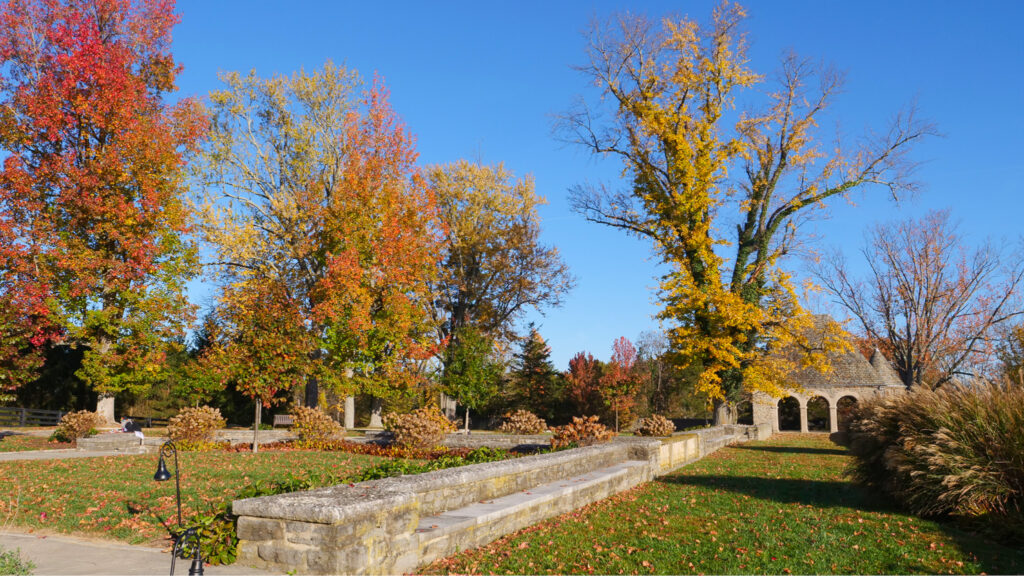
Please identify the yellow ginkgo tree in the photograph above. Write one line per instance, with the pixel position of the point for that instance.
(720, 193)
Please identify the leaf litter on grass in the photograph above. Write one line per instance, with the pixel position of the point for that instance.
(783, 506)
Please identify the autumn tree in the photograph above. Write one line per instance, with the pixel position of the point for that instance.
(266, 347)
(933, 304)
(473, 372)
(583, 383)
(696, 170)
(495, 267)
(653, 367)
(1010, 352)
(91, 187)
(309, 185)
(620, 380)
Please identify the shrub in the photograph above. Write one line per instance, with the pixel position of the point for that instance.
(12, 563)
(75, 425)
(656, 425)
(194, 427)
(957, 450)
(314, 427)
(581, 432)
(523, 422)
(422, 429)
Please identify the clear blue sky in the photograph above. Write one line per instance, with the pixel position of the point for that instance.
(482, 80)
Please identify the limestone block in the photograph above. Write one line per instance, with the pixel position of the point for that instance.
(258, 529)
(281, 554)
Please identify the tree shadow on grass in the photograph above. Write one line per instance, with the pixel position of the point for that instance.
(825, 494)
(794, 450)
(993, 558)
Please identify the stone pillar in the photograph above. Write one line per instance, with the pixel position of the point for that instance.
(833, 417)
(350, 412)
(776, 426)
(376, 407)
(105, 407)
(803, 415)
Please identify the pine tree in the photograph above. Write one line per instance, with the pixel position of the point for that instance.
(535, 382)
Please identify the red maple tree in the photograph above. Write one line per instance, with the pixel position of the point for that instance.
(91, 189)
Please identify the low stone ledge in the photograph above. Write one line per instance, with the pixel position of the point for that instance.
(111, 441)
(387, 525)
(439, 490)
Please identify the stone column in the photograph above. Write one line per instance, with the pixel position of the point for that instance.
(376, 407)
(803, 416)
(776, 426)
(350, 412)
(833, 417)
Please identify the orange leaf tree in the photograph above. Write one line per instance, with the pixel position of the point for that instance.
(620, 381)
(312, 205)
(91, 188)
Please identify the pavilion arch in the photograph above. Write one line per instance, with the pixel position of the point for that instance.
(789, 414)
(844, 411)
(745, 412)
(818, 415)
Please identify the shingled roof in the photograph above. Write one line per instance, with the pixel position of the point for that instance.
(849, 369)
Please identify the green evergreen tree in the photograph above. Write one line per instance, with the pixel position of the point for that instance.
(536, 385)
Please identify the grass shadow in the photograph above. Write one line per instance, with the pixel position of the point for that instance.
(825, 494)
(993, 557)
(794, 450)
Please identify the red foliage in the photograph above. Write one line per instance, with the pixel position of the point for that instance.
(584, 386)
(390, 451)
(90, 189)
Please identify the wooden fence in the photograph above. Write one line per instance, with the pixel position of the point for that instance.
(29, 417)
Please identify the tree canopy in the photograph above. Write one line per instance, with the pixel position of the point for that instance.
(311, 198)
(94, 229)
(696, 169)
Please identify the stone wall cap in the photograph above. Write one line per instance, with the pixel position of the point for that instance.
(346, 502)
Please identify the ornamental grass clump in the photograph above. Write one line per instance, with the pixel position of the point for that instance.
(314, 427)
(585, 431)
(420, 429)
(957, 451)
(193, 428)
(75, 425)
(656, 425)
(523, 422)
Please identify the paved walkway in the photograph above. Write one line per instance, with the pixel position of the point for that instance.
(58, 555)
(60, 454)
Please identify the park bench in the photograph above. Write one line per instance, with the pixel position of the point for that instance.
(282, 420)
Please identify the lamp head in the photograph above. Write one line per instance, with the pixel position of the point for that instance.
(161, 471)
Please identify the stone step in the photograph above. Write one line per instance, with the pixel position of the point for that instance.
(478, 524)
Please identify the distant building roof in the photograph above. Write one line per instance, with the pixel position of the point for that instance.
(849, 369)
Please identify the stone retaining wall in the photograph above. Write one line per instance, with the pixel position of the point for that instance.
(375, 527)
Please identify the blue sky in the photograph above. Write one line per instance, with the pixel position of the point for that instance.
(483, 80)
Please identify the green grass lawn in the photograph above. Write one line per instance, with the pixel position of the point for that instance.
(24, 443)
(116, 497)
(776, 507)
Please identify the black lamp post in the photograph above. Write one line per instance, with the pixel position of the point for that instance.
(189, 536)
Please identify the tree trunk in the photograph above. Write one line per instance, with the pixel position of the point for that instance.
(725, 413)
(105, 407)
(256, 428)
(467, 420)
